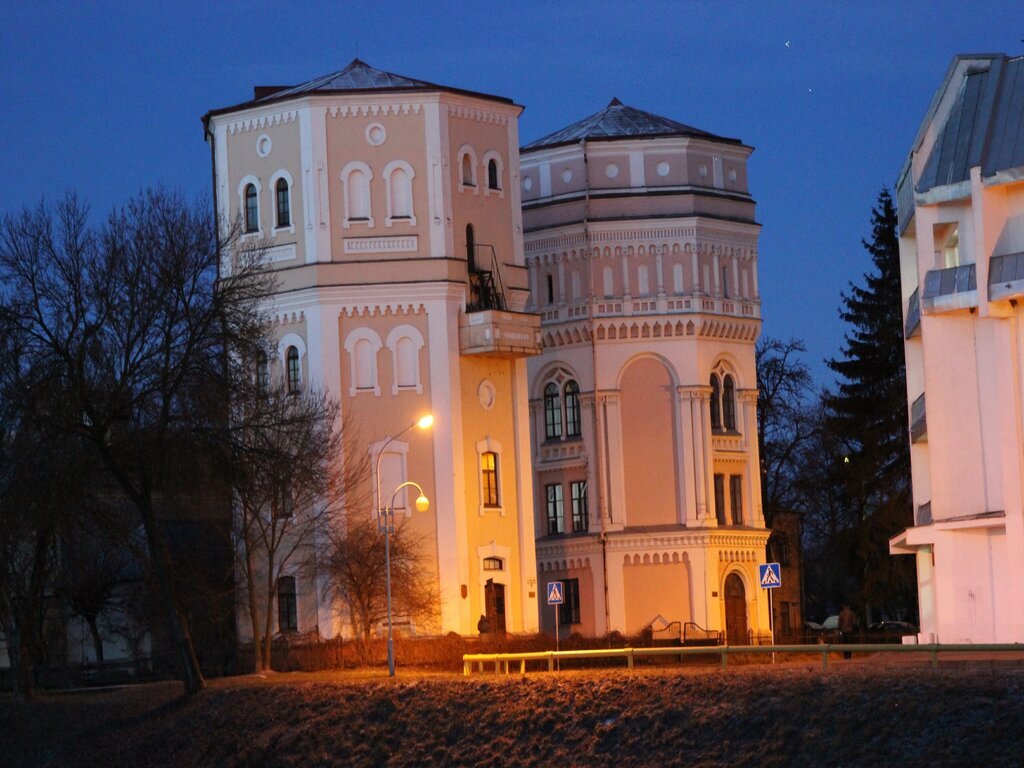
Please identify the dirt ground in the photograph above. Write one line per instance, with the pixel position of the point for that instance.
(858, 713)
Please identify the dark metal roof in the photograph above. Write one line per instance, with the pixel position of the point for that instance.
(620, 121)
(357, 77)
(984, 127)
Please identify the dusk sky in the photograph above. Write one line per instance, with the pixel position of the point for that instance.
(106, 98)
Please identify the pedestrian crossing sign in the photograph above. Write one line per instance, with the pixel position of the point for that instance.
(555, 595)
(771, 575)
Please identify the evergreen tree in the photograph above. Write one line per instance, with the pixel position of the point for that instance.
(868, 418)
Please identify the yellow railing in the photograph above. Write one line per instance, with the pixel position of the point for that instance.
(502, 660)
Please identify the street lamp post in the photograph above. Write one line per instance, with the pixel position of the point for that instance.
(386, 525)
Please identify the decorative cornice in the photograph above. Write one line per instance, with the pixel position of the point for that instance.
(262, 121)
(477, 114)
(380, 109)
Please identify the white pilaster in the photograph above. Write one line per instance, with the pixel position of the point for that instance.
(524, 499)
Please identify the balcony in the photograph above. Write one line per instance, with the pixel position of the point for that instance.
(918, 421)
(913, 326)
(1006, 276)
(497, 333)
(950, 289)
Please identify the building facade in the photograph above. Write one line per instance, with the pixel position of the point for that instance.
(961, 225)
(391, 210)
(641, 243)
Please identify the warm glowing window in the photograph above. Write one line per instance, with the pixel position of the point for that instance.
(252, 209)
(287, 613)
(572, 409)
(489, 476)
(494, 564)
(552, 412)
(292, 366)
(284, 209)
(555, 510)
(580, 511)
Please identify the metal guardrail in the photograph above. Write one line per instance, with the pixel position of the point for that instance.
(501, 660)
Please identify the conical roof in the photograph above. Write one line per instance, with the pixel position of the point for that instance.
(618, 120)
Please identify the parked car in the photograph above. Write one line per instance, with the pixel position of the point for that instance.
(889, 631)
(812, 626)
(831, 624)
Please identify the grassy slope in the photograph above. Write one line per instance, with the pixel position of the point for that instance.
(854, 715)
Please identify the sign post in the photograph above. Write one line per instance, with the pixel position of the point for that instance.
(771, 578)
(556, 596)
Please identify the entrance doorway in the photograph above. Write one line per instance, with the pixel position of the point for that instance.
(735, 611)
(494, 597)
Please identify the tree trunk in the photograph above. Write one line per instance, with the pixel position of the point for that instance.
(268, 633)
(254, 617)
(97, 641)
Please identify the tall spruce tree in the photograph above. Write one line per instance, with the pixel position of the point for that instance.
(868, 417)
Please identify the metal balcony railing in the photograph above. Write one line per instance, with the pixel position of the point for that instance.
(945, 282)
(913, 326)
(1006, 276)
(918, 421)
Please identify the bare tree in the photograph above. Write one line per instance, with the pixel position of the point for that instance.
(131, 320)
(287, 488)
(356, 574)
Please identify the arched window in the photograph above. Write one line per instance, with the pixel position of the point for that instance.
(362, 345)
(405, 343)
(262, 374)
(405, 366)
(468, 177)
(365, 365)
(355, 179)
(716, 402)
(493, 178)
(252, 209)
(729, 402)
(572, 409)
(284, 206)
(489, 478)
(294, 374)
(494, 564)
(398, 176)
(552, 412)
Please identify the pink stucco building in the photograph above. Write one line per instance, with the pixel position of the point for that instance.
(961, 226)
(641, 243)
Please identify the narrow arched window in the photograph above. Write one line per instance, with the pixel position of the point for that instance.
(365, 365)
(489, 478)
(493, 179)
(401, 201)
(467, 171)
(470, 248)
(552, 412)
(716, 403)
(262, 374)
(292, 363)
(729, 402)
(284, 208)
(572, 409)
(252, 209)
(358, 196)
(405, 362)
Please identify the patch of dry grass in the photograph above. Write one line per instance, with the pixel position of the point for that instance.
(859, 714)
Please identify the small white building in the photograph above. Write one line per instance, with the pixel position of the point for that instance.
(961, 227)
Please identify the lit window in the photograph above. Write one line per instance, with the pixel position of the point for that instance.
(493, 180)
(552, 412)
(716, 402)
(729, 403)
(556, 514)
(284, 209)
(489, 474)
(252, 209)
(294, 375)
(494, 564)
(580, 512)
(287, 614)
(572, 409)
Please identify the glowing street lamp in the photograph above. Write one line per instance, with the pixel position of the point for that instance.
(386, 525)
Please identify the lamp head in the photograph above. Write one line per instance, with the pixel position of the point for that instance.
(426, 421)
(422, 503)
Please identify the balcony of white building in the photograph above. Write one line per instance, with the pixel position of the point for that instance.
(950, 290)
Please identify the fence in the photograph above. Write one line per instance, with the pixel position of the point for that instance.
(502, 660)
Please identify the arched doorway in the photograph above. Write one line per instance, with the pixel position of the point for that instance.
(494, 600)
(735, 611)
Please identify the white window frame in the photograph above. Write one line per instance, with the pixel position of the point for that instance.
(291, 340)
(500, 191)
(346, 172)
(389, 169)
(283, 174)
(465, 150)
(405, 332)
(400, 449)
(361, 334)
(489, 445)
(259, 200)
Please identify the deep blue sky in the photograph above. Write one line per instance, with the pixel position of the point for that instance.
(105, 98)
